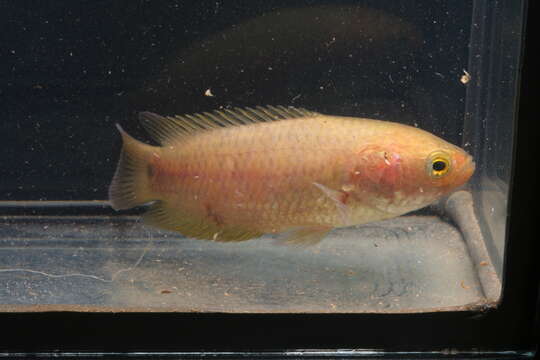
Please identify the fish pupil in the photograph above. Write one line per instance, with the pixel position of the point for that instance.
(439, 165)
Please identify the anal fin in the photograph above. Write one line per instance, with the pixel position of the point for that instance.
(304, 236)
(164, 216)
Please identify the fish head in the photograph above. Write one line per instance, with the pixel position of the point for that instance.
(432, 168)
(405, 173)
(450, 169)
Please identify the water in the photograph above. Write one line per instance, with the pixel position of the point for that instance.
(71, 71)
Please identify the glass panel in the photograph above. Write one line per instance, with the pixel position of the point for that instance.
(74, 70)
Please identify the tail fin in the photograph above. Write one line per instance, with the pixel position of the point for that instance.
(130, 185)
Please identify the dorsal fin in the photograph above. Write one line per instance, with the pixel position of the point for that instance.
(166, 128)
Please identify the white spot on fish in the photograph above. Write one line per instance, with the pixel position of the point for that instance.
(388, 156)
(386, 160)
(347, 187)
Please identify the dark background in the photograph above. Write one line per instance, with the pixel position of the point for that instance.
(70, 70)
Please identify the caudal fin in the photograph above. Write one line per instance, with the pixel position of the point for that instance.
(130, 185)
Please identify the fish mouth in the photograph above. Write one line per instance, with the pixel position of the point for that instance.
(466, 169)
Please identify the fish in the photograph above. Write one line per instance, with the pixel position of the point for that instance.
(237, 174)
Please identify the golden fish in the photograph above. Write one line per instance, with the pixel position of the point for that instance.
(234, 175)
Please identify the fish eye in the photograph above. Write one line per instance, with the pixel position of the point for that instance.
(438, 164)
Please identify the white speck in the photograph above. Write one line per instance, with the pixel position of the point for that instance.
(331, 41)
(347, 187)
(196, 177)
(465, 78)
(215, 236)
(357, 172)
(421, 189)
(208, 92)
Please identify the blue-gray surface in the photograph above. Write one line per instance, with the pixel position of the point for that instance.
(412, 263)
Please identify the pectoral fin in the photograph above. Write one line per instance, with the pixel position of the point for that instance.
(338, 197)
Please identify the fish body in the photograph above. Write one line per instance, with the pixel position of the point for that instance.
(237, 174)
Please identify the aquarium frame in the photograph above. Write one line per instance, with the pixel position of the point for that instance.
(507, 331)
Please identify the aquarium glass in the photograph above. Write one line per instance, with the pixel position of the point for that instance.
(71, 71)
